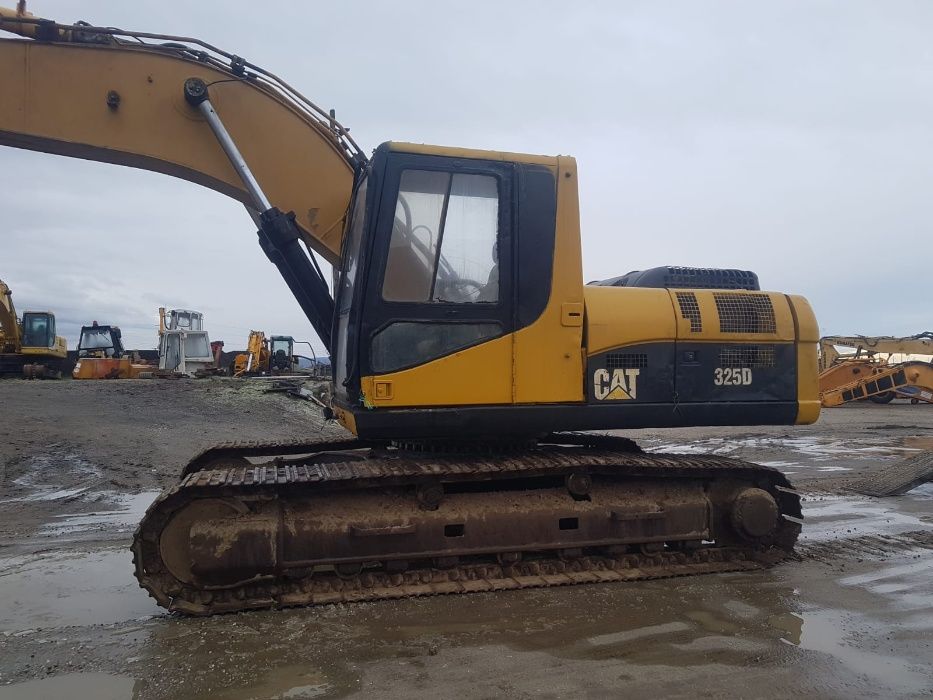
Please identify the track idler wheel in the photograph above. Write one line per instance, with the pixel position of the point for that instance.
(754, 513)
(430, 496)
(579, 485)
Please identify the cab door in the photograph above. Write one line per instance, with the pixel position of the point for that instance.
(438, 321)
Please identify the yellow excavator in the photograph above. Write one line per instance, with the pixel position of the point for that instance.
(256, 358)
(29, 347)
(869, 372)
(468, 354)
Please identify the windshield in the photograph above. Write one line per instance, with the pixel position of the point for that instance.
(37, 331)
(185, 320)
(196, 346)
(352, 253)
(279, 345)
(351, 256)
(95, 341)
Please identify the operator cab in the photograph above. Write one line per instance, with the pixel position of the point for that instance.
(282, 354)
(431, 257)
(100, 341)
(38, 329)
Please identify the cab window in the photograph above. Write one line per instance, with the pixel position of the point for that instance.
(444, 242)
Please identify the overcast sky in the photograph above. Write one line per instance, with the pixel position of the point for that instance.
(794, 139)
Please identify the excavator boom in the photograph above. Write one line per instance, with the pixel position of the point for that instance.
(869, 373)
(123, 95)
(867, 346)
(10, 340)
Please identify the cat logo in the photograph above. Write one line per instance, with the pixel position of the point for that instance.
(620, 386)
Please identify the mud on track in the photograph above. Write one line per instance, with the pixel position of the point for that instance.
(79, 462)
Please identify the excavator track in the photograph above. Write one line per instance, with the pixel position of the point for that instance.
(377, 523)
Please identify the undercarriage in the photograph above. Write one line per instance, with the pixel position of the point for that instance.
(265, 525)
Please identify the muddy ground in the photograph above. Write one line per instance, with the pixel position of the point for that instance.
(80, 461)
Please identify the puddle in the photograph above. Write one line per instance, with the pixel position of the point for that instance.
(843, 635)
(124, 516)
(74, 686)
(811, 450)
(838, 517)
(638, 633)
(905, 585)
(919, 443)
(286, 683)
(923, 492)
(779, 464)
(42, 478)
(56, 589)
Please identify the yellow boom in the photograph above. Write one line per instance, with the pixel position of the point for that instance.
(125, 105)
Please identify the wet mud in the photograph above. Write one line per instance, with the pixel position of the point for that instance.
(852, 615)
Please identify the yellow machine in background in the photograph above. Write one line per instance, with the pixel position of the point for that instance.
(256, 358)
(466, 350)
(29, 347)
(879, 369)
(101, 356)
(274, 355)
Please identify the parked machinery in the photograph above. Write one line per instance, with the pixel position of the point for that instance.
(282, 358)
(465, 346)
(101, 355)
(274, 356)
(871, 372)
(29, 346)
(184, 346)
(255, 360)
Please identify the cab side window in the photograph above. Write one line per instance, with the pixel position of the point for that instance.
(444, 243)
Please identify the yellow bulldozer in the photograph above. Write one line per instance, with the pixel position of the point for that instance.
(470, 361)
(29, 346)
(101, 355)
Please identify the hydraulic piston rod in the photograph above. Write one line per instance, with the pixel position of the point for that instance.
(196, 95)
(278, 234)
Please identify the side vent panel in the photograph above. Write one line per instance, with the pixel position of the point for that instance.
(745, 313)
(752, 356)
(626, 360)
(690, 310)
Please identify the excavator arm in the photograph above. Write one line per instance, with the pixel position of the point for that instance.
(119, 97)
(10, 340)
(864, 346)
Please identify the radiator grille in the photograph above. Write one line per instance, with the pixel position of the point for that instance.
(628, 360)
(747, 356)
(690, 310)
(745, 313)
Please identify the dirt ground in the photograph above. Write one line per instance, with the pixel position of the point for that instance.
(852, 616)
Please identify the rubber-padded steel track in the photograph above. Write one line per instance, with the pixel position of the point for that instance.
(299, 477)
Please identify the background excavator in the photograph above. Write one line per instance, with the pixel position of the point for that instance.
(465, 347)
(29, 346)
(878, 368)
(273, 356)
(256, 358)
